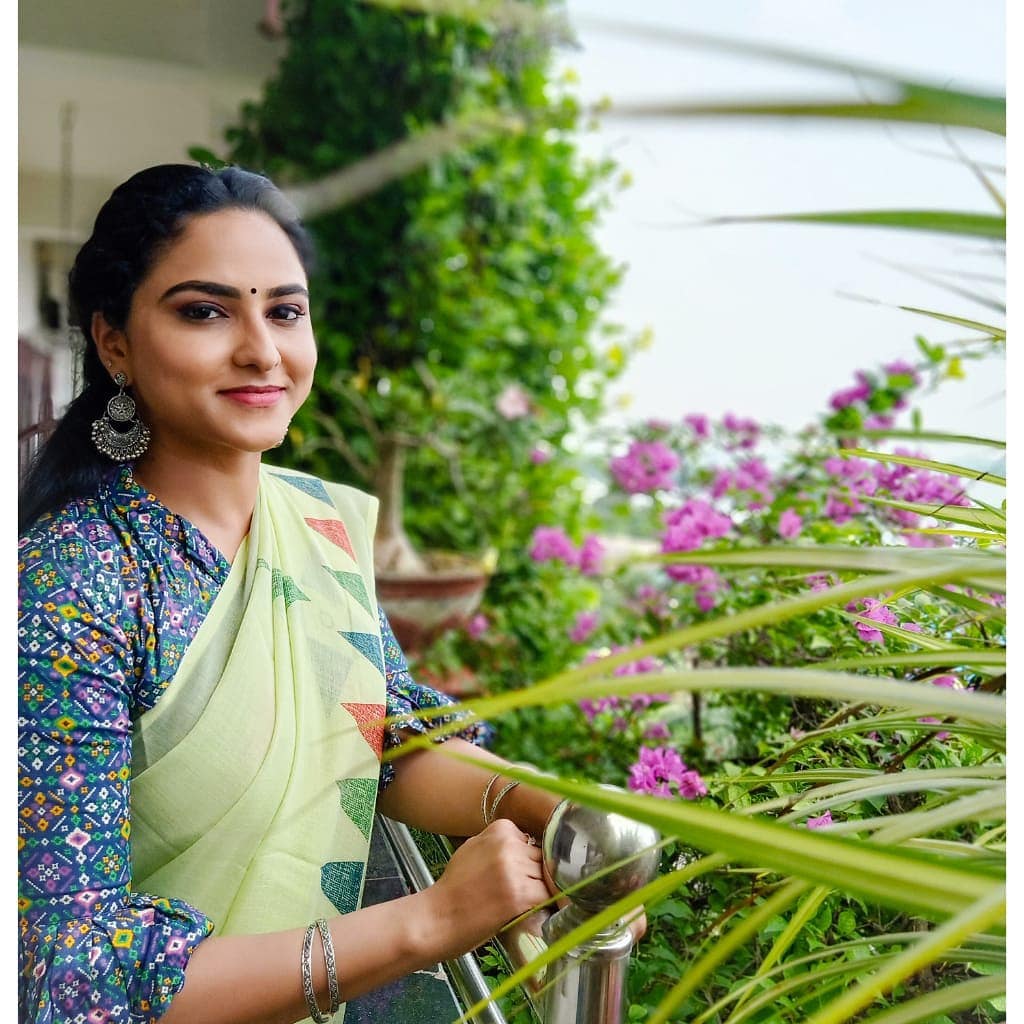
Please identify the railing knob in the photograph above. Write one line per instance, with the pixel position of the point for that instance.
(588, 986)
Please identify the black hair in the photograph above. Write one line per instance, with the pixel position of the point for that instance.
(139, 221)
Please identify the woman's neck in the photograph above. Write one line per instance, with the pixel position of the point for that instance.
(216, 495)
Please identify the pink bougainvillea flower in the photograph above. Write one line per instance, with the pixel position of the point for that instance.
(657, 768)
(841, 508)
(901, 368)
(790, 524)
(821, 821)
(877, 612)
(513, 403)
(591, 554)
(584, 626)
(478, 625)
(860, 392)
(699, 424)
(647, 466)
(745, 431)
(878, 421)
(656, 731)
(949, 682)
(539, 456)
(552, 544)
(820, 580)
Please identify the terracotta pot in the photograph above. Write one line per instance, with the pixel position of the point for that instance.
(421, 606)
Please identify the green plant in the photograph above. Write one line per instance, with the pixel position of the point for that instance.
(457, 307)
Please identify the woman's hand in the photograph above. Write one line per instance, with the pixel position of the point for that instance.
(492, 877)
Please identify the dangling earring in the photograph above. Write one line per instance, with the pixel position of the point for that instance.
(120, 445)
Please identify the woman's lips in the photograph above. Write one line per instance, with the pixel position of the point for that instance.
(254, 396)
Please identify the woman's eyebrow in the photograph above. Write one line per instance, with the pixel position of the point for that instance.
(228, 292)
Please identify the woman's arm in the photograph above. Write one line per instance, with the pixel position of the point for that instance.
(255, 979)
(437, 793)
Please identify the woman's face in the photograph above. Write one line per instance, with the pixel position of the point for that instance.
(218, 347)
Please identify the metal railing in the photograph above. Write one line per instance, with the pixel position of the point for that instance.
(614, 856)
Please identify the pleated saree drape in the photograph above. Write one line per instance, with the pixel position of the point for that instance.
(254, 778)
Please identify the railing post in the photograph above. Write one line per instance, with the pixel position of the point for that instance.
(588, 985)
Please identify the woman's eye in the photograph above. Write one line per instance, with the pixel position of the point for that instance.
(287, 312)
(201, 311)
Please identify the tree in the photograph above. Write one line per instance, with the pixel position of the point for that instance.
(455, 307)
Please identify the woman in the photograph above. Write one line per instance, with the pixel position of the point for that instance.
(202, 660)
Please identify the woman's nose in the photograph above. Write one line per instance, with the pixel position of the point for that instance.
(256, 344)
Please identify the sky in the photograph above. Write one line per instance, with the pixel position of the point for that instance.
(754, 318)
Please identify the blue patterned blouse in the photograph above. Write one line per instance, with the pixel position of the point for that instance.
(112, 589)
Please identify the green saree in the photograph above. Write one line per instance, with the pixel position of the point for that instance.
(255, 776)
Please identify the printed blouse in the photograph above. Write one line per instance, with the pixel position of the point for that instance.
(112, 589)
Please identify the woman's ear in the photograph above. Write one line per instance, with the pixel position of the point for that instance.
(111, 344)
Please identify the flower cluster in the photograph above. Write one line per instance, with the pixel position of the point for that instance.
(660, 769)
(646, 467)
(876, 611)
(687, 528)
(553, 544)
(744, 433)
(861, 478)
(750, 476)
(620, 706)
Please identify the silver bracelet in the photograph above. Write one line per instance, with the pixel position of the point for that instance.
(487, 792)
(307, 978)
(501, 796)
(332, 965)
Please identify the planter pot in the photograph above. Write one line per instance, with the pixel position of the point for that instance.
(422, 605)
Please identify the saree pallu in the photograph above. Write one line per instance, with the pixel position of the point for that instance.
(255, 776)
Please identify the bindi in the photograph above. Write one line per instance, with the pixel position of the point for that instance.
(253, 290)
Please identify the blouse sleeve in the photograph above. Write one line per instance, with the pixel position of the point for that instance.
(406, 696)
(90, 948)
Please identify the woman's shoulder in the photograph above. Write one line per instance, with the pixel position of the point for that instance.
(80, 529)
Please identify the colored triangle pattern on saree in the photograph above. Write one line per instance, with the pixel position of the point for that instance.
(334, 530)
(358, 797)
(352, 583)
(341, 882)
(368, 718)
(308, 485)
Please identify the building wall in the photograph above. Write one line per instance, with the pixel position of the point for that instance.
(128, 113)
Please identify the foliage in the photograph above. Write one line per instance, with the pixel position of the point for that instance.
(457, 308)
(829, 630)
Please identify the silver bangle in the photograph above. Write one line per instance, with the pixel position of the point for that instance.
(332, 965)
(307, 978)
(483, 799)
(501, 796)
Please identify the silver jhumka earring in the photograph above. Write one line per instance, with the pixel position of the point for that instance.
(120, 445)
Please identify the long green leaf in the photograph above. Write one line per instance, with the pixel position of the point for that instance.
(892, 876)
(935, 467)
(926, 436)
(767, 614)
(794, 926)
(950, 513)
(872, 943)
(987, 911)
(965, 995)
(841, 558)
(970, 658)
(979, 225)
(938, 104)
(725, 946)
(975, 325)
